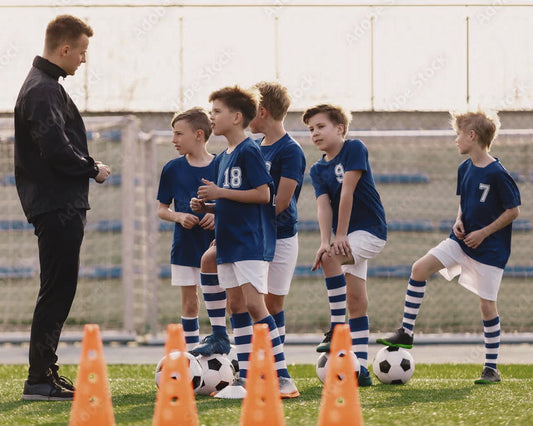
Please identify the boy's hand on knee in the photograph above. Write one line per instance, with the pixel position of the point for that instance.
(318, 258)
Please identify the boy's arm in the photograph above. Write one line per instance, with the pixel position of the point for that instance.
(458, 227)
(475, 238)
(285, 192)
(186, 220)
(210, 191)
(340, 241)
(325, 219)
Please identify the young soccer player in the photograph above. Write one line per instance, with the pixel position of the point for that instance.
(179, 182)
(349, 205)
(480, 240)
(285, 161)
(244, 230)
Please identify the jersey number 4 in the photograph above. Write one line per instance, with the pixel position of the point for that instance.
(233, 177)
(485, 188)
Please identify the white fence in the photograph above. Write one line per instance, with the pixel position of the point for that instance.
(365, 55)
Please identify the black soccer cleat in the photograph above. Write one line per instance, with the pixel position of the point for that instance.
(325, 345)
(212, 344)
(488, 376)
(400, 339)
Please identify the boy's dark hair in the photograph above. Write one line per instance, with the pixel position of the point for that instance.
(485, 127)
(65, 28)
(275, 98)
(197, 118)
(335, 114)
(238, 99)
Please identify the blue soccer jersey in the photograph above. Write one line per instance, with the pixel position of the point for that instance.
(327, 177)
(285, 158)
(486, 192)
(179, 183)
(244, 231)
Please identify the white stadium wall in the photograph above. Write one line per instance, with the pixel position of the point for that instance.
(366, 56)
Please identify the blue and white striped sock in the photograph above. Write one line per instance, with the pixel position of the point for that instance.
(359, 332)
(280, 323)
(413, 301)
(336, 287)
(491, 331)
(242, 330)
(215, 302)
(191, 330)
(277, 347)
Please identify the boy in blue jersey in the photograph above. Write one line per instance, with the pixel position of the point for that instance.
(244, 230)
(285, 161)
(349, 205)
(179, 182)
(480, 240)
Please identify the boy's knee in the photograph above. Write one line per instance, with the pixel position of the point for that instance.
(208, 263)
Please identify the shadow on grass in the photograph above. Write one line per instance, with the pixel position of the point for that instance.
(403, 396)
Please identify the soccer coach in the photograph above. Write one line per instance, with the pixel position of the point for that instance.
(52, 172)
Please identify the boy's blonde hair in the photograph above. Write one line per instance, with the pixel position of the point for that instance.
(197, 118)
(486, 127)
(275, 98)
(238, 99)
(335, 113)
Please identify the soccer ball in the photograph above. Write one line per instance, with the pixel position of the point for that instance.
(393, 366)
(232, 356)
(195, 370)
(217, 373)
(322, 365)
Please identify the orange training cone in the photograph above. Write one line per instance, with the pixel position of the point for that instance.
(92, 399)
(175, 403)
(175, 339)
(262, 403)
(340, 403)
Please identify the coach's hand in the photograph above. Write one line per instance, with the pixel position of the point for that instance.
(103, 172)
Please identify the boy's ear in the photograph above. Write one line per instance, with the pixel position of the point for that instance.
(200, 135)
(237, 118)
(340, 129)
(64, 49)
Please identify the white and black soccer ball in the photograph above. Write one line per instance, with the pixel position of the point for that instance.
(217, 373)
(195, 370)
(233, 359)
(393, 366)
(322, 365)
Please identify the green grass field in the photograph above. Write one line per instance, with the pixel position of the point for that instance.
(438, 394)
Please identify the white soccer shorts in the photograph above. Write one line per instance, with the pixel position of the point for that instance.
(364, 246)
(184, 276)
(281, 269)
(483, 280)
(235, 274)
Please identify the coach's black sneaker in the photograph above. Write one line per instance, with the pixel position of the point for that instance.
(212, 344)
(488, 376)
(63, 381)
(46, 390)
(326, 343)
(399, 339)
